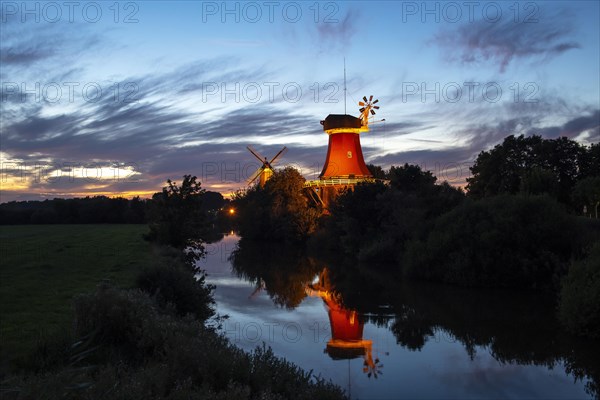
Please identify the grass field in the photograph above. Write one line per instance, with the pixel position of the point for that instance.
(44, 266)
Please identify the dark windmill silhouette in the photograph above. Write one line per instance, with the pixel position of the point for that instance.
(266, 170)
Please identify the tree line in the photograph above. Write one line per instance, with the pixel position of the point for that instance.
(526, 220)
(92, 210)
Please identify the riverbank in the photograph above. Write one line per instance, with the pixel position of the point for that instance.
(126, 342)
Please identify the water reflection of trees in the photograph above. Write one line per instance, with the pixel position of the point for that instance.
(282, 271)
(514, 327)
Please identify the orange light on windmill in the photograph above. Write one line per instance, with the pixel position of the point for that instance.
(344, 153)
(265, 172)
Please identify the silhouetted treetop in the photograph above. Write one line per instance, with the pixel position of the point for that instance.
(533, 165)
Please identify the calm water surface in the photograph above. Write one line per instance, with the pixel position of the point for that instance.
(410, 341)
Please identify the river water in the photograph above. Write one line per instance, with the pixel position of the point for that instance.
(408, 340)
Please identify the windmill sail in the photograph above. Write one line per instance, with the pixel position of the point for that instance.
(265, 171)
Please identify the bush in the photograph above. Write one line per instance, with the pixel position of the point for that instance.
(180, 287)
(139, 350)
(579, 307)
(506, 241)
(129, 321)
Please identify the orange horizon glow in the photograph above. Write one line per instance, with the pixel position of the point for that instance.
(14, 187)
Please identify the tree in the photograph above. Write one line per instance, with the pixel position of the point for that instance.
(509, 241)
(356, 217)
(539, 181)
(212, 201)
(589, 164)
(175, 215)
(377, 171)
(587, 194)
(291, 216)
(373, 221)
(503, 169)
(411, 178)
(279, 211)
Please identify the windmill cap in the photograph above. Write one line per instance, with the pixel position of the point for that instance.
(336, 121)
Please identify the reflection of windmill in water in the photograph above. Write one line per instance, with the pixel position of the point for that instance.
(346, 341)
(264, 173)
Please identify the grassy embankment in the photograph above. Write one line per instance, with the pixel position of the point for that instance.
(146, 342)
(44, 266)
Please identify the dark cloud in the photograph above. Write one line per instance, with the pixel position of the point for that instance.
(24, 56)
(36, 128)
(402, 128)
(581, 124)
(450, 165)
(504, 41)
(160, 141)
(30, 45)
(426, 157)
(484, 132)
(335, 31)
(333, 28)
(482, 136)
(572, 128)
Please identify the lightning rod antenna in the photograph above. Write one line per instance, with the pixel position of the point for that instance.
(344, 85)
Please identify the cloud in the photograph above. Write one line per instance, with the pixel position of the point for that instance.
(505, 41)
(171, 130)
(573, 128)
(155, 136)
(29, 46)
(24, 56)
(482, 129)
(334, 31)
(450, 164)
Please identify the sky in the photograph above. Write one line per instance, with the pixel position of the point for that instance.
(114, 98)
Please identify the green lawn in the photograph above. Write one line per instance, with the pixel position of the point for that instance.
(44, 266)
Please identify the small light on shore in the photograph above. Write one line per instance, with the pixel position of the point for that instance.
(231, 211)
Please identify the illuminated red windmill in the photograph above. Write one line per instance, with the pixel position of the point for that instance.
(345, 165)
(344, 154)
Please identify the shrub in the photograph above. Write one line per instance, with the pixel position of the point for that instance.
(180, 287)
(129, 321)
(141, 350)
(579, 307)
(509, 241)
